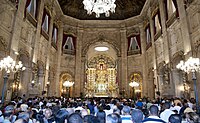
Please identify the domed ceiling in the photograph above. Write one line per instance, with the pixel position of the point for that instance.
(124, 9)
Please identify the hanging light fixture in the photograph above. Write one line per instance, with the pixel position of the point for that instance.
(99, 7)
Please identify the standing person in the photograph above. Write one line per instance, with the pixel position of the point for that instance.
(8, 114)
(137, 116)
(175, 118)
(153, 118)
(113, 118)
(126, 117)
(167, 112)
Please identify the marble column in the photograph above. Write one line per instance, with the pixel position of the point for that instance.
(41, 79)
(124, 60)
(177, 79)
(78, 81)
(56, 88)
(24, 81)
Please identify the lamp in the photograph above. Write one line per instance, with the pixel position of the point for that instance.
(99, 7)
(68, 84)
(134, 84)
(9, 65)
(191, 65)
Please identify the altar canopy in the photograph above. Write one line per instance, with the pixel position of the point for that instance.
(101, 77)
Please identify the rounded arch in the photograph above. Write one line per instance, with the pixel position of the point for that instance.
(65, 76)
(177, 57)
(137, 77)
(24, 57)
(101, 40)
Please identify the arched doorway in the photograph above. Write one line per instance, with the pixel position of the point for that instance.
(66, 91)
(137, 90)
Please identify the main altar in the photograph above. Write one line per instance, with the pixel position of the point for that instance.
(101, 77)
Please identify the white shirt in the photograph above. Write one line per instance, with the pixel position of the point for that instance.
(166, 114)
(153, 117)
(126, 118)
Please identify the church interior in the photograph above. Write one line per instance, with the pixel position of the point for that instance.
(138, 48)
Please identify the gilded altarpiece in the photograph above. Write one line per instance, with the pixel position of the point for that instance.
(101, 77)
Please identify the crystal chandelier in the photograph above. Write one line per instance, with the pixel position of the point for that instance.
(191, 65)
(134, 84)
(99, 7)
(68, 84)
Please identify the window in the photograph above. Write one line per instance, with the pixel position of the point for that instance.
(148, 35)
(31, 6)
(134, 45)
(171, 8)
(69, 44)
(45, 22)
(157, 25)
(55, 34)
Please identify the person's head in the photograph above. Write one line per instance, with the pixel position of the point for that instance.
(192, 117)
(91, 119)
(20, 121)
(137, 116)
(47, 113)
(117, 111)
(75, 118)
(153, 110)
(107, 107)
(61, 116)
(101, 116)
(126, 110)
(24, 107)
(24, 116)
(114, 118)
(166, 105)
(175, 118)
(8, 111)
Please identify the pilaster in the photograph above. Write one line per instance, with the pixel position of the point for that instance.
(143, 57)
(124, 71)
(151, 89)
(56, 86)
(166, 52)
(44, 84)
(38, 32)
(16, 29)
(184, 27)
(78, 81)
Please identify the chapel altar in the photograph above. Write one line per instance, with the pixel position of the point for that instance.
(101, 77)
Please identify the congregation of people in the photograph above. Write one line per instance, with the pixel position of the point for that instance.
(99, 110)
